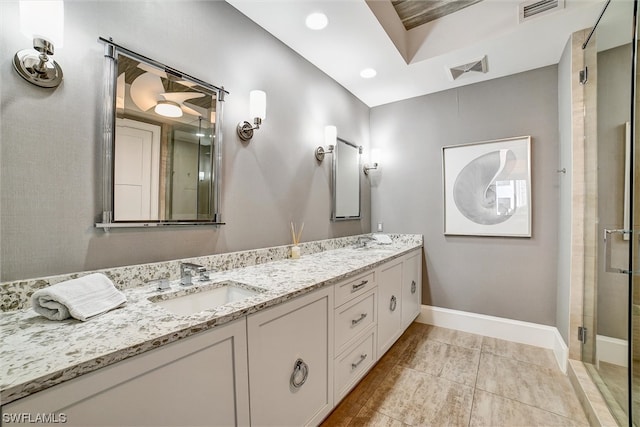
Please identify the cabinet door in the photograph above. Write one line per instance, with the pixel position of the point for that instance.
(291, 361)
(389, 305)
(199, 380)
(411, 287)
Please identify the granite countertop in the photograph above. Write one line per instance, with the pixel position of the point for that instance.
(38, 353)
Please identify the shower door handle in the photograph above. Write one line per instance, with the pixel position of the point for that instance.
(607, 250)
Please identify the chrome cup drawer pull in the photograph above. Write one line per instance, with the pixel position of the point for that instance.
(362, 358)
(393, 303)
(299, 374)
(359, 319)
(359, 285)
(413, 286)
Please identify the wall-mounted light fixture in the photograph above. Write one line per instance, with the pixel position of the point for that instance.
(375, 160)
(257, 110)
(330, 137)
(42, 22)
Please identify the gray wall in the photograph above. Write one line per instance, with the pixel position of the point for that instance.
(565, 199)
(507, 277)
(50, 139)
(614, 87)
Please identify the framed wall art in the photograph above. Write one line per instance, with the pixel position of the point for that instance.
(487, 188)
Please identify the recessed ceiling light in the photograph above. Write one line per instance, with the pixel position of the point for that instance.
(317, 21)
(368, 73)
(168, 109)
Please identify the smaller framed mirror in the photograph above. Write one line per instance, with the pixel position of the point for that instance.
(346, 181)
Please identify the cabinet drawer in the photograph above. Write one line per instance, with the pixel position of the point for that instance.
(351, 366)
(352, 288)
(353, 318)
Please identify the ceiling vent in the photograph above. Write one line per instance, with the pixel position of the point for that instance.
(476, 66)
(534, 8)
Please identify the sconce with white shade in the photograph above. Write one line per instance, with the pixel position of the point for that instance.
(330, 137)
(257, 110)
(43, 23)
(375, 161)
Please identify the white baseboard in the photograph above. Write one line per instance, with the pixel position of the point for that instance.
(611, 350)
(499, 327)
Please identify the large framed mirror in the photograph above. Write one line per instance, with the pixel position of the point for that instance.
(346, 181)
(162, 139)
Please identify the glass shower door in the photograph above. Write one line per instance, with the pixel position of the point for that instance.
(608, 305)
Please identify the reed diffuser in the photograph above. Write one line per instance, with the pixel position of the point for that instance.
(295, 236)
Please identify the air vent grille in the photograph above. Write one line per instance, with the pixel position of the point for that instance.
(479, 66)
(535, 8)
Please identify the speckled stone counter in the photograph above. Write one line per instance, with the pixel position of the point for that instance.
(38, 353)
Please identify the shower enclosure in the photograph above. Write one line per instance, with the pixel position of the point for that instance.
(611, 349)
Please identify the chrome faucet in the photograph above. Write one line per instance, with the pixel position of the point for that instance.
(187, 269)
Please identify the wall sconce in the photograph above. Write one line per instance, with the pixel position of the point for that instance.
(375, 159)
(330, 137)
(42, 22)
(257, 110)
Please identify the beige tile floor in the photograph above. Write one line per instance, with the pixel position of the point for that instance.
(442, 377)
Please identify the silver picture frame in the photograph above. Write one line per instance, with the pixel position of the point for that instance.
(487, 188)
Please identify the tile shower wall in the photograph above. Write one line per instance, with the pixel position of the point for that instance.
(613, 87)
(50, 186)
(584, 199)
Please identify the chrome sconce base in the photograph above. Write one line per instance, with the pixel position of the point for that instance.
(367, 168)
(35, 66)
(245, 130)
(320, 152)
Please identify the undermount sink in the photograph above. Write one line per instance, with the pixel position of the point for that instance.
(206, 297)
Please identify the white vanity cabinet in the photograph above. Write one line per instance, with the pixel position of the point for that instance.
(389, 304)
(199, 380)
(411, 287)
(291, 361)
(286, 365)
(355, 331)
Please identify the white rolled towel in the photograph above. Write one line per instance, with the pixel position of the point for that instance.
(81, 298)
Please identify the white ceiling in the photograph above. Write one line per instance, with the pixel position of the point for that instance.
(416, 62)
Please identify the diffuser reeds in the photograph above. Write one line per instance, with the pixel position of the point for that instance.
(295, 236)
